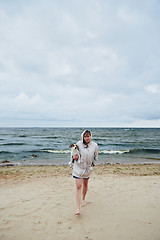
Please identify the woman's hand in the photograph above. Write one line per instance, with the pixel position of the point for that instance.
(75, 157)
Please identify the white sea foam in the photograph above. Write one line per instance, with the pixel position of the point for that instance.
(57, 151)
(100, 151)
(113, 151)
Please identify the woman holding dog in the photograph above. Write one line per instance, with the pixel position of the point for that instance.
(88, 152)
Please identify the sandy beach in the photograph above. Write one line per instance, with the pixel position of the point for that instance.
(38, 202)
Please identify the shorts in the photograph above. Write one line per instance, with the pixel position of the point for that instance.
(80, 178)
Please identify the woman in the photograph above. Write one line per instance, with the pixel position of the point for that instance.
(81, 170)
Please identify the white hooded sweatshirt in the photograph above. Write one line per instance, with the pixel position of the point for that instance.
(88, 155)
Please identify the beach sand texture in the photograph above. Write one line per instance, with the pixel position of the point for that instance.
(39, 202)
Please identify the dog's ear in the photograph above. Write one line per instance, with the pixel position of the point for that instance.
(77, 147)
(72, 145)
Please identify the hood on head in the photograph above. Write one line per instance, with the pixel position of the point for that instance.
(82, 135)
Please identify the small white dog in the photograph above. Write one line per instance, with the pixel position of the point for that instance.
(74, 152)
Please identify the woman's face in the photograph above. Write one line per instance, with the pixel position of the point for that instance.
(87, 138)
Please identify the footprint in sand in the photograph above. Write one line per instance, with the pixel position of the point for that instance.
(87, 238)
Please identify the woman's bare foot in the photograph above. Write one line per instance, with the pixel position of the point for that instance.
(83, 203)
(77, 212)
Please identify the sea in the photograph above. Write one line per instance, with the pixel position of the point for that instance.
(50, 146)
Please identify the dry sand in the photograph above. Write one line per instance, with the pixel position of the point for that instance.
(39, 202)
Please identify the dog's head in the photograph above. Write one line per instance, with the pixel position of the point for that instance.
(74, 146)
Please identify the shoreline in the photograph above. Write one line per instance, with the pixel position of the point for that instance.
(113, 160)
(21, 173)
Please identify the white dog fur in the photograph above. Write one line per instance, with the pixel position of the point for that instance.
(74, 151)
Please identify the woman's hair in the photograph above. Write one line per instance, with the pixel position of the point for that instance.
(87, 132)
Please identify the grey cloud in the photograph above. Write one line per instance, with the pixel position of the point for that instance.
(93, 62)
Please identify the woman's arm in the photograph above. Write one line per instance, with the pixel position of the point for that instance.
(95, 156)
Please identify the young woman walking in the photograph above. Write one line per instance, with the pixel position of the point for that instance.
(81, 169)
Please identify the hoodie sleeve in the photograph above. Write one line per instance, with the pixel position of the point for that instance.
(95, 155)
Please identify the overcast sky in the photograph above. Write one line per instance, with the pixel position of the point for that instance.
(80, 63)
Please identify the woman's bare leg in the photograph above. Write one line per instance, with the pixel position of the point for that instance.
(78, 194)
(85, 188)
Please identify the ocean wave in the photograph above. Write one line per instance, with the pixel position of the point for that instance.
(143, 150)
(57, 151)
(23, 136)
(5, 152)
(50, 137)
(113, 151)
(101, 152)
(131, 151)
(12, 144)
(127, 151)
